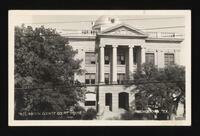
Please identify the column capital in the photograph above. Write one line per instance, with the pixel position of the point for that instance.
(102, 45)
(143, 47)
(114, 45)
(131, 46)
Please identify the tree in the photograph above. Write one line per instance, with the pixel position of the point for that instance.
(160, 89)
(46, 64)
(90, 114)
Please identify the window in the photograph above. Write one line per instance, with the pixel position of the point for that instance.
(90, 99)
(107, 57)
(121, 78)
(90, 58)
(89, 103)
(108, 99)
(169, 59)
(135, 56)
(89, 78)
(107, 81)
(149, 58)
(92, 78)
(121, 58)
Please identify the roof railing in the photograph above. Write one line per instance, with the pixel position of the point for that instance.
(164, 35)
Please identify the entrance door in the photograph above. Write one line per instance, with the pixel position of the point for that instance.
(124, 100)
(109, 100)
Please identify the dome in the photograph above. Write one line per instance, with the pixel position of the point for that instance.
(105, 21)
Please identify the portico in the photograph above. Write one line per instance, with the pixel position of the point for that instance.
(116, 60)
(113, 68)
(121, 51)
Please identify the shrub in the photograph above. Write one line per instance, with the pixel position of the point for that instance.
(90, 114)
(163, 116)
(143, 116)
(130, 115)
(79, 111)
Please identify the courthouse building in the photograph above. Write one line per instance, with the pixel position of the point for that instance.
(112, 52)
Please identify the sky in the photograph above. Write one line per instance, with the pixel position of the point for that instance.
(65, 22)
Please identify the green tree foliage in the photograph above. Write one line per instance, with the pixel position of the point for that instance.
(44, 62)
(160, 89)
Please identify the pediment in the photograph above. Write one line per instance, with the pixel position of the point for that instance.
(123, 30)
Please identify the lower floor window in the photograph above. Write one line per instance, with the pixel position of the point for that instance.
(121, 78)
(90, 103)
(90, 99)
(169, 59)
(107, 81)
(150, 58)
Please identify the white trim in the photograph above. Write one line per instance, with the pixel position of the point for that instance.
(123, 25)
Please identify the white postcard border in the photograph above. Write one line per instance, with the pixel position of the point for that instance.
(14, 16)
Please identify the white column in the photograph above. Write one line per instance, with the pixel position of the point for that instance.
(142, 54)
(130, 64)
(114, 64)
(101, 74)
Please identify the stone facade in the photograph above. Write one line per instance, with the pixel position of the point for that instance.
(112, 39)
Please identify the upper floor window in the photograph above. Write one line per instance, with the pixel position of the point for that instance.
(90, 58)
(149, 58)
(107, 79)
(135, 56)
(169, 59)
(121, 58)
(107, 57)
(89, 78)
(120, 78)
